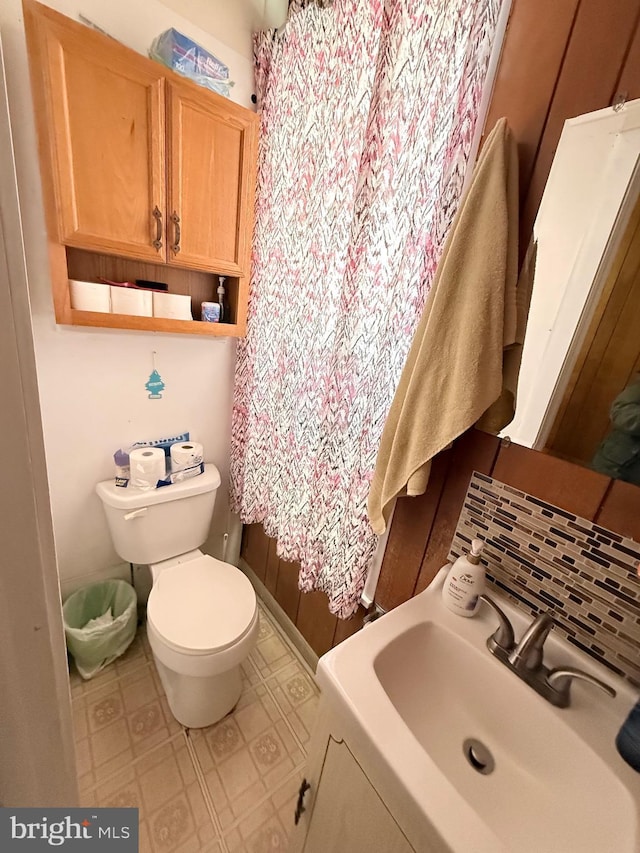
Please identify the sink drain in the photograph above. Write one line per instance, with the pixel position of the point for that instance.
(478, 756)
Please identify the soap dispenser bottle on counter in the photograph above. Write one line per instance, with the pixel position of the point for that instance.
(464, 583)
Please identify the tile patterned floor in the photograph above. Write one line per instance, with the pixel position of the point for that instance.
(230, 788)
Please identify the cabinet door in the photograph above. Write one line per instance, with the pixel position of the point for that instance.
(348, 814)
(212, 164)
(100, 111)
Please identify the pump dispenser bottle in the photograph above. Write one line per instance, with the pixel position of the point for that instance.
(464, 583)
(222, 302)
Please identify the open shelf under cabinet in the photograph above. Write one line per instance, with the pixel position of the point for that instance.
(200, 286)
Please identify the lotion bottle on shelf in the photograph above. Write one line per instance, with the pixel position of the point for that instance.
(222, 302)
(464, 583)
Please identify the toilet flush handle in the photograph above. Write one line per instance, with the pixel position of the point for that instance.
(136, 513)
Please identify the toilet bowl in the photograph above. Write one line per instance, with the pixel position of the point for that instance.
(202, 622)
(202, 613)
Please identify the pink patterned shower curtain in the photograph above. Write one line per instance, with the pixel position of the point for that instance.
(368, 112)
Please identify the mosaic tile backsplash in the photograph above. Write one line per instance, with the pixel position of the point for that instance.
(542, 557)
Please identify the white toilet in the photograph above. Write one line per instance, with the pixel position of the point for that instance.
(202, 614)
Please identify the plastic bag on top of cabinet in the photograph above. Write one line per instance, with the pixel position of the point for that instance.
(184, 56)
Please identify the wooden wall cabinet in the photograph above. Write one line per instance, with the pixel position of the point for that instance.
(211, 149)
(139, 165)
(105, 127)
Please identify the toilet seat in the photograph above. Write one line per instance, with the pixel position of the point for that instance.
(202, 606)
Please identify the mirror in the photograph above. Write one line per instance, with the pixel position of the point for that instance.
(581, 353)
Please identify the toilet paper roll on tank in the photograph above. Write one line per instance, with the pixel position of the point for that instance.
(148, 466)
(187, 459)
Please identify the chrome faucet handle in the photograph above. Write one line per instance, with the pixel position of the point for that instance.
(529, 651)
(503, 637)
(561, 678)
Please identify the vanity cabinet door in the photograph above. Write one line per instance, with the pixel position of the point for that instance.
(348, 814)
(100, 110)
(212, 166)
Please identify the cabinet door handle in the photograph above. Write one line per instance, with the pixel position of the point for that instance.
(300, 804)
(157, 215)
(176, 225)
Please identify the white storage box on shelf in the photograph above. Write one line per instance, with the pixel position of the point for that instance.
(90, 296)
(172, 306)
(131, 300)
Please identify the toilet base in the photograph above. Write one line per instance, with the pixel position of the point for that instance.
(199, 701)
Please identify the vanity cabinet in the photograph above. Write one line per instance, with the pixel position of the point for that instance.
(347, 813)
(344, 807)
(139, 166)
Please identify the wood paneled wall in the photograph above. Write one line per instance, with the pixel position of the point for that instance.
(611, 503)
(423, 527)
(560, 58)
(308, 612)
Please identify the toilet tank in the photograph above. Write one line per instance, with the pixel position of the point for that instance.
(148, 526)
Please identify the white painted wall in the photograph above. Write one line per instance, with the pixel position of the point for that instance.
(91, 381)
(231, 20)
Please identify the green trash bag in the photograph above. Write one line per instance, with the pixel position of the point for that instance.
(100, 623)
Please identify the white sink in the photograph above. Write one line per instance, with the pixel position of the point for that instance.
(419, 682)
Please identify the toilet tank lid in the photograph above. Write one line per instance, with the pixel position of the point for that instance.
(128, 498)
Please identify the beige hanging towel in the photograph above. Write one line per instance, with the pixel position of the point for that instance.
(454, 371)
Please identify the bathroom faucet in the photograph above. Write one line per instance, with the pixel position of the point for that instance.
(529, 651)
(503, 638)
(527, 654)
(562, 678)
(525, 658)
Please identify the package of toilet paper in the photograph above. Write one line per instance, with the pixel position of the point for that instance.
(186, 460)
(122, 456)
